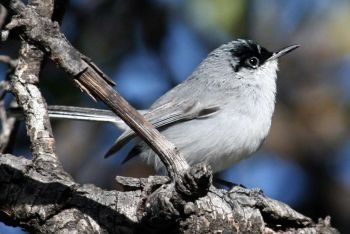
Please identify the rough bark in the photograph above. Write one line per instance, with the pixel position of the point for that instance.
(24, 86)
(49, 202)
(40, 196)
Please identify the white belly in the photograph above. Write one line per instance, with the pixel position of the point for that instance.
(219, 141)
(235, 132)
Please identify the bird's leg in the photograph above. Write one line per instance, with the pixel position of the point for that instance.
(227, 184)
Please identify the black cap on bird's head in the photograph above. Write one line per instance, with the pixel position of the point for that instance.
(251, 55)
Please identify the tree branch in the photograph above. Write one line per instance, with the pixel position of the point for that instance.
(8, 61)
(28, 95)
(46, 35)
(9, 126)
(50, 202)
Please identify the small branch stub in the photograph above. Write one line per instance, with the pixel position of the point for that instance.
(195, 182)
(164, 206)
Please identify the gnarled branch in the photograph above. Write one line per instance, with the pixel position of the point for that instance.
(48, 201)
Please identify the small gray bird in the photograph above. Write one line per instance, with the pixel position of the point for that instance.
(219, 115)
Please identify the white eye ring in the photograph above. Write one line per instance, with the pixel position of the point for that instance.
(253, 62)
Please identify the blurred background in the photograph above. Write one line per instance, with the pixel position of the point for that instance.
(149, 46)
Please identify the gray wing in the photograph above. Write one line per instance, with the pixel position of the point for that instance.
(166, 115)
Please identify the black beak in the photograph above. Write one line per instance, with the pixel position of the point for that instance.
(282, 52)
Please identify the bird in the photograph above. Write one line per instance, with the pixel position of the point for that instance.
(219, 115)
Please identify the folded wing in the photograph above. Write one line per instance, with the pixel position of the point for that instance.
(165, 115)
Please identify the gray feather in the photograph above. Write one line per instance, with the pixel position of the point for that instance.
(166, 115)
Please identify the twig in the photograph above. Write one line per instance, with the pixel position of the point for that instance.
(11, 62)
(9, 126)
(3, 14)
(4, 88)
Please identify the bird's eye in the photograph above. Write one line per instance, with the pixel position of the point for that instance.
(252, 62)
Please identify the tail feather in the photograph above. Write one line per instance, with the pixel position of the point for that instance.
(83, 114)
(86, 114)
(79, 113)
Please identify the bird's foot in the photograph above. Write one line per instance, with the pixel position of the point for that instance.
(224, 183)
